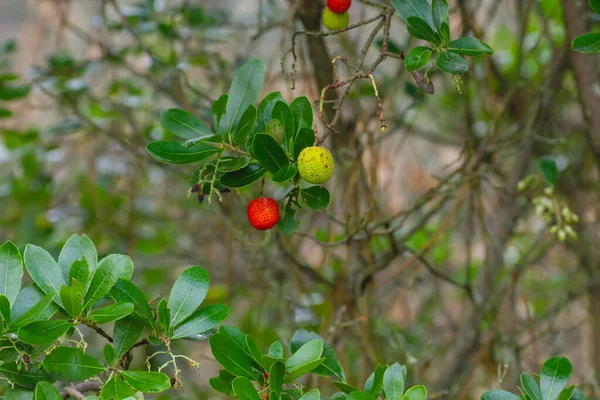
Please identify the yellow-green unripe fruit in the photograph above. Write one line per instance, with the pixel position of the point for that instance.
(315, 165)
(333, 21)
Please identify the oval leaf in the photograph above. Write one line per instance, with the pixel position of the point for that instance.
(303, 113)
(232, 357)
(125, 333)
(499, 395)
(244, 91)
(393, 382)
(439, 10)
(72, 298)
(286, 173)
(176, 153)
(417, 58)
(316, 197)
(243, 177)
(305, 138)
(470, 46)
(111, 313)
(283, 113)
(245, 126)
(11, 271)
(147, 381)
(46, 391)
(418, 28)
(415, 393)
(28, 378)
(110, 270)
(414, 8)
(125, 291)
(44, 271)
(452, 63)
(202, 320)
(244, 389)
(43, 332)
(588, 43)
(331, 365)
(115, 388)
(70, 364)
(555, 373)
(43, 309)
(187, 294)
(77, 248)
(269, 153)
(184, 124)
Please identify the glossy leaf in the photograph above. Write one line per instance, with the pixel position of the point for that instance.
(72, 298)
(245, 125)
(305, 359)
(5, 309)
(286, 173)
(232, 357)
(374, 384)
(70, 364)
(470, 46)
(164, 317)
(417, 58)
(331, 365)
(111, 313)
(269, 153)
(567, 393)
(531, 387)
(110, 269)
(223, 382)
(41, 309)
(305, 138)
(116, 388)
(595, 5)
(229, 164)
(27, 378)
(344, 387)
(79, 271)
(287, 225)
(244, 389)
(202, 320)
(8, 93)
(46, 391)
(244, 91)
(18, 393)
(420, 29)
(445, 32)
(588, 43)
(109, 354)
(555, 373)
(43, 332)
(303, 113)
(439, 10)
(499, 395)
(125, 291)
(44, 271)
(360, 395)
(243, 177)
(125, 334)
(11, 271)
(549, 169)
(283, 113)
(218, 109)
(276, 130)
(452, 63)
(393, 382)
(75, 249)
(147, 381)
(314, 394)
(276, 376)
(415, 393)
(253, 348)
(187, 294)
(316, 197)
(184, 124)
(414, 8)
(177, 153)
(264, 110)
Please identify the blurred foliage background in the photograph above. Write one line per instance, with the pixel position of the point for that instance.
(428, 255)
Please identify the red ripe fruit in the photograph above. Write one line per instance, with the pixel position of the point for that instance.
(339, 6)
(263, 213)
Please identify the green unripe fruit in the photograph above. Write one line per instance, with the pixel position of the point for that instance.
(316, 165)
(333, 21)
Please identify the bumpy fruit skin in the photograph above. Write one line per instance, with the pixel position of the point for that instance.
(333, 21)
(339, 6)
(316, 165)
(263, 213)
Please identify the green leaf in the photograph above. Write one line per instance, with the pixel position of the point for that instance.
(305, 138)
(18, 393)
(268, 361)
(184, 125)
(414, 8)
(276, 350)
(499, 395)
(202, 320)
(177, 153)
(111, 313)
(314, 394)
(331, 365)
(276, 130)
(264, 110)
(303, 113)
(218, 110)
(245, 89)
(41, 309)
(283, 113)
(231, 356)
(316, 197)
(361, 396)
(8, 93)
(72, 298)
(110, 269)
(77, 248)
(595, 6)
(164, 317)
(253, 348)
(276, 375)
(125, 291)
(5, 309)
(470, 46)
(109, 354)
(223, 382)
(531, 387)
(27, 378)
(344, 387)
(46, 391)
(125, 334)
(547, 165)
(555, 373)
(393, 382)
(416, 393)
(374, 384)
(147, 381)
(5, 113)
(245, 126)
(11, 271)
(70, 364)
(243, 177)
(269, 153)
(439, 10)
(445, 32)
(588, 43)
(567, 393)
(44, 271)
(287, 225)
(187, 294)
(79, 271)
(115, 388)
(244, 389)
(451, 63)
(286, 173)
(417, 58)
(304, 360)
(239, 338)
(420, 29)
(43, 332)
(229, 164)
